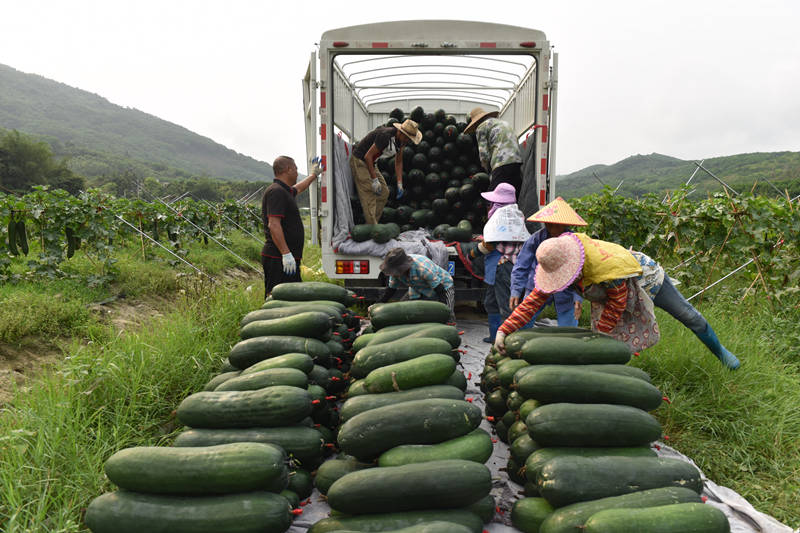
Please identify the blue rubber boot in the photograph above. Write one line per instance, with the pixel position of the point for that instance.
(495, 320)
(710, 339)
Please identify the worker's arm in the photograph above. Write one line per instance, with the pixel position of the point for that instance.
(522, 268)
(484, 153)
(305, 184)
(316, 172)
(387, 294)
(370, 157)
(524, 311)
(398, 171)
(616, 301)
(276, 231)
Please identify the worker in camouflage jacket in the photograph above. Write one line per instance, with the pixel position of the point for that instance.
(497, 147)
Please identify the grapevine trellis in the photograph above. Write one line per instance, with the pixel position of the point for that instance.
(705, 239)
(97, 225)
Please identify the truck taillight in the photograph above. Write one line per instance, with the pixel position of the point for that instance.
(340, 44)
(528, 44)
(352, 267)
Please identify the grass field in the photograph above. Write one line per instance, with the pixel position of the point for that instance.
(115, 389)
(742, 428)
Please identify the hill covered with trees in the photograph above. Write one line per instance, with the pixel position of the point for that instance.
(98, 138)
(642, 174)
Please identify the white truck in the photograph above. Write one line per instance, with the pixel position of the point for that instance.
(360, 73)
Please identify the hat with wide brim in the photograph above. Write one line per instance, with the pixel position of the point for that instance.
(558, 212)
(504, 193)
(410, 129)
(560, 262)
(395, 262)
(478, 115)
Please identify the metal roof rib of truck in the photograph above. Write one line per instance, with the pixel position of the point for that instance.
(363, 72)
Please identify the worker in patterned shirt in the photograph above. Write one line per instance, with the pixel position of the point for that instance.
(623, 286)
(425, 279)
(498, 148)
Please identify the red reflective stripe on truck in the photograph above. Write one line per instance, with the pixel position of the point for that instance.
(322, 100)
(380, 45)
(542, 197)
(324, 161)
(544, 102)
(544, 134)
(323, 130)
(488, 45)
(324, 194)
(544, 166)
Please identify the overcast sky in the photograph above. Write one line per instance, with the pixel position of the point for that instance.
(690, 79)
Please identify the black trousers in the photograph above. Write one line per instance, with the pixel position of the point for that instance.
(511, 173)
(274, 275)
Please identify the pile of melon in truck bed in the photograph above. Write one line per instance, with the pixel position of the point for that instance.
(255, 433)
(577, 422)
(411, 452)
(442, 182)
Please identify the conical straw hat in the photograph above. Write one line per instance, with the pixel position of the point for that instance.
(558, 212)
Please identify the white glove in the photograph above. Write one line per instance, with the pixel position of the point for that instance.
(376, 187)
(400, 191)
(500, 342)
(289, 264)
(316, 169)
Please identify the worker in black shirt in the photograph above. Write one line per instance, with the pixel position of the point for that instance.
(283, 226)
(380, 142)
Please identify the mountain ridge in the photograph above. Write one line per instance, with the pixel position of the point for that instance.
(639, 174)
(99, 137)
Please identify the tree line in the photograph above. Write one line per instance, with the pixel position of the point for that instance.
(26, 162)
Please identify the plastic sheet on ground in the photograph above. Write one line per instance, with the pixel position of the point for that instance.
(742, 516)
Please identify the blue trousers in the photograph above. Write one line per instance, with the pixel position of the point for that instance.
(673, 302)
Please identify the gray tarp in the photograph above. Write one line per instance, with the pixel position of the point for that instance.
(343, 190)
(413, 242)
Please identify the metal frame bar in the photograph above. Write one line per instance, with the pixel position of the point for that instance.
(459, 67)
(432, 96)
(409, 85)
(700, 165)
(454, 54)
(401, 95)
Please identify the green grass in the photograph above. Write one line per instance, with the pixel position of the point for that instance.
(53, 309)
(742, 428)
(104, 397)
(61, 308)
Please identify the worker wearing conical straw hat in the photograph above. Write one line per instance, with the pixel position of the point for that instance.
(557, 217)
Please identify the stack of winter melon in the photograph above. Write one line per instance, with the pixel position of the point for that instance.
(257, 429)
(584, 438)
(230, 487)
(411, 450)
